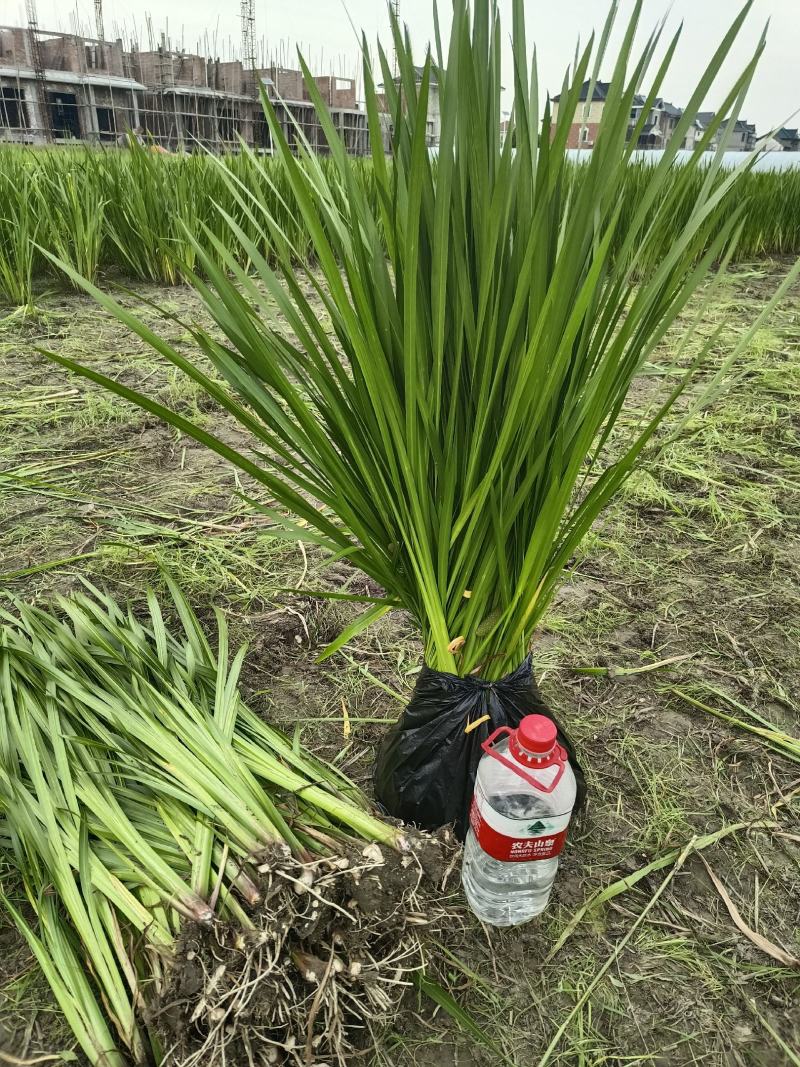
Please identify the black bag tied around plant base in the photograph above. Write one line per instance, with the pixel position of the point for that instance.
(426, 764)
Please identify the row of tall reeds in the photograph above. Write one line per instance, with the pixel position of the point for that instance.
(134, 214)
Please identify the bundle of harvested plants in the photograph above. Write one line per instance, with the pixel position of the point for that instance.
(200, 883)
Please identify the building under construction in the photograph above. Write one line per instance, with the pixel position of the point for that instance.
(59, 88)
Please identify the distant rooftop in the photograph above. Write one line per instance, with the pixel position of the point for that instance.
(419, 71)
(705, 118)
(659, 105)
(670, 109)
(600, 92)
(600, 95)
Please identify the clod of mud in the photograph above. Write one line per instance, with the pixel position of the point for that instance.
(319, 969)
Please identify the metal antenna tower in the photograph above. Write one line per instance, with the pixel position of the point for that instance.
(38, 69)
(396, 12)
(98, 20)
(249, 61)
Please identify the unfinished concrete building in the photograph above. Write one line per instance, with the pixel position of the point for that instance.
(61, 88)
(189, 100)
(298, 116)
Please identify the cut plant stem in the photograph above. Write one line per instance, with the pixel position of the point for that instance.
(623, 672)
(602, 896)
(776, 739)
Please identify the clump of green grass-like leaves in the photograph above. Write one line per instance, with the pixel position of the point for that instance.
(455, 433)
(138, 793)
(20, 228)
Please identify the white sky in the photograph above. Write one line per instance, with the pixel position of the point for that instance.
(323, 31)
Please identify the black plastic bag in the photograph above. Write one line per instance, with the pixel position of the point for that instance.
(426, 763)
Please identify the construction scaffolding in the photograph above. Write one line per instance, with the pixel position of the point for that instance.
(66, 88)
(98, 20)
(40, 79)
(249, 60)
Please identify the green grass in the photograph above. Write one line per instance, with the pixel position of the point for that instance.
(655, 583)
(124, 212)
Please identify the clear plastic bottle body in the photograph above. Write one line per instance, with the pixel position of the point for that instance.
(502, 892)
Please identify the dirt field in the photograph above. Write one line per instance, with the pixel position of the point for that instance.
(686, 597)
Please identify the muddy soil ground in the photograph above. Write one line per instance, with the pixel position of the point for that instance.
(685, 597)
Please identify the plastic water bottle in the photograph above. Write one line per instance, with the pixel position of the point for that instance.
(523, 800)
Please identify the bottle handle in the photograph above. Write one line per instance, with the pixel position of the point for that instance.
(559, 758)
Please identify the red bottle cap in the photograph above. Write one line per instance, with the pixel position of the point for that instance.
(537, 733)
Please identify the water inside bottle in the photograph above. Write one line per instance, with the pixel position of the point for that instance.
(507, 894)
(520, 805)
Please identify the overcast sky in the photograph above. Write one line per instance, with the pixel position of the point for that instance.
(322, 28)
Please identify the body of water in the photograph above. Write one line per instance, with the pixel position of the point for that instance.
(770, 161)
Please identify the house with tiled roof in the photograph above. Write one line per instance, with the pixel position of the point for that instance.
(742, 138)
(659, 126)
(789, 140)
(586, 120)
(434, 116)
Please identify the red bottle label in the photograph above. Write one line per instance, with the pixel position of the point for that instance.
(516, 840)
